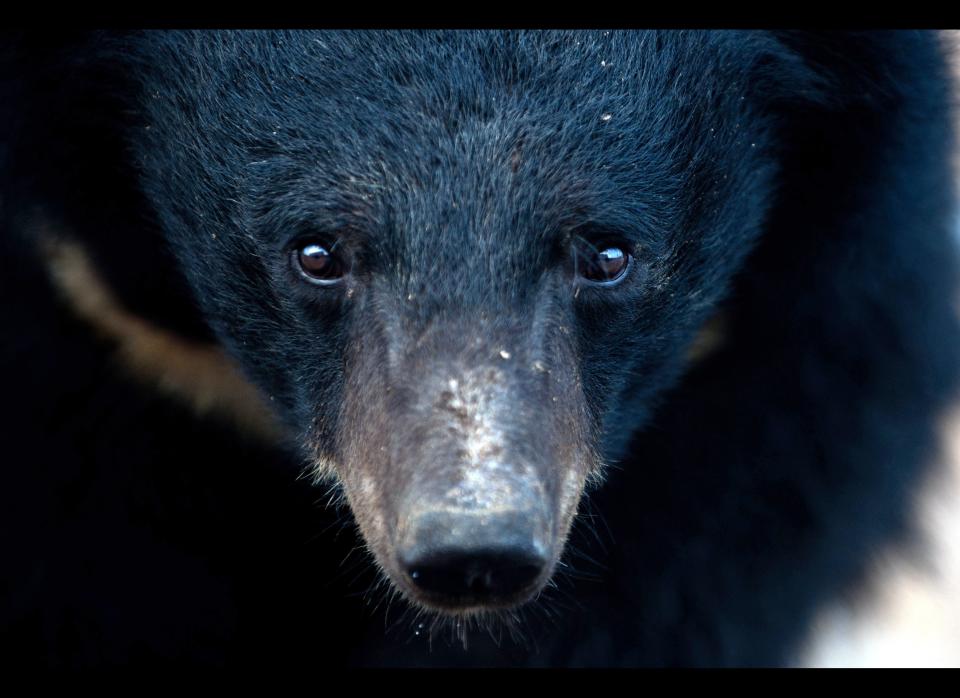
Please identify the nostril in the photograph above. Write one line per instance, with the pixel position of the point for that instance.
(485, 575)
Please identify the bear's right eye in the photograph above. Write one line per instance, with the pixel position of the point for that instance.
(317, 263)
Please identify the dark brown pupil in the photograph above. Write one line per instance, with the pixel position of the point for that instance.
(608, 264)
(317, 261)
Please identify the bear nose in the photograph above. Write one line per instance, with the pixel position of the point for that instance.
(468, 558)
(476, 576)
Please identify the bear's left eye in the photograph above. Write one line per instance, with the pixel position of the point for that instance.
(317, 263)
(603, 264)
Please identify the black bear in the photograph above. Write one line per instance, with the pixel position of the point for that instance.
(461, 276)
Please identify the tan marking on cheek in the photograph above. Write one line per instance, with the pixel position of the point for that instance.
(708, 340)
(571, 490)
(364, 498)
(200, 375)
(570, 496)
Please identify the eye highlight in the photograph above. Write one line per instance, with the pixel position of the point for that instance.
(317, 263)
(603, 263)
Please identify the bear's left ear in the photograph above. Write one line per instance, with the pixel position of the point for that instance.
(843, 70)
(199, 375)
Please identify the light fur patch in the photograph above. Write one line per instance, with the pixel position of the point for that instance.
(708, 340)
(200, 375)
(477, 401)
(909, 613)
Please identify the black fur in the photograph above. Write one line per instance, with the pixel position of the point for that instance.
(797, 183)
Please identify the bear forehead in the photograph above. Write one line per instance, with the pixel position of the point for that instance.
(533, 125)
(364, 83)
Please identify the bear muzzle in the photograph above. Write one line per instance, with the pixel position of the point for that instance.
(496, 553)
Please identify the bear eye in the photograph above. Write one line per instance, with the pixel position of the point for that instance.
(317, 263)
(605, 263)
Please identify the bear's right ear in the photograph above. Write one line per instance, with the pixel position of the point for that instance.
(51, 67)
(59, 54)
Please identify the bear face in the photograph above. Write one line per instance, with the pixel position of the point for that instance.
(463, 266)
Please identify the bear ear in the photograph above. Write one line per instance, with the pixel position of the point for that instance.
(56, 54)
(843, 70)
(44, 70)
